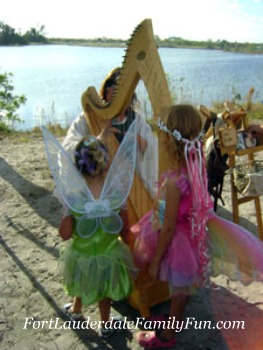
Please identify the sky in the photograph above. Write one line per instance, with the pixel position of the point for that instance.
(231, 20)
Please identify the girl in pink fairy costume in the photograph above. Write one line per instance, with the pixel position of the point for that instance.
(182, 240)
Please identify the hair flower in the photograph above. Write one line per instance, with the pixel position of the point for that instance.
(177, 135)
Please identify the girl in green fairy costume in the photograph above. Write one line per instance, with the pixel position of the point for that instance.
(96, 263)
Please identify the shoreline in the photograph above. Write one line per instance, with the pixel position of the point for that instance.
(123, 44)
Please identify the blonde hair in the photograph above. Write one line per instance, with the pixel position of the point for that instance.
(187, 120)
(91, 156)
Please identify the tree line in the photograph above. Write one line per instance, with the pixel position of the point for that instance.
(210, 44)
(9, 36)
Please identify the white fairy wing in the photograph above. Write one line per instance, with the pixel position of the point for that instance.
(69, 182)
(119, 179)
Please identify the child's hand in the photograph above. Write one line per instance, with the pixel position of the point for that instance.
(66, 227)
(153, 270)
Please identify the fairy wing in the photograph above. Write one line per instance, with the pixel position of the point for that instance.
(235, 252)
(119, 179)
(69, 182)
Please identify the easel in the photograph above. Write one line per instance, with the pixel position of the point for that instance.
(228, 140)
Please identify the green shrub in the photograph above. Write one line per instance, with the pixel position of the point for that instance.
(9, 103)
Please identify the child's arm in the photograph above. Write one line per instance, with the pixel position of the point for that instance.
(173, 196)
(66, 227)
(125, 232)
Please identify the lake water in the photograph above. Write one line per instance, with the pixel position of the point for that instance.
(54, 77)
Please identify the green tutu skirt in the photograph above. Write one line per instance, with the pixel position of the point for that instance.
(98, 267)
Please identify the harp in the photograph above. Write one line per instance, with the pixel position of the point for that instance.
(141, 62)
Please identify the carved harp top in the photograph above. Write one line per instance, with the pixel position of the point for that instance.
(141, 62)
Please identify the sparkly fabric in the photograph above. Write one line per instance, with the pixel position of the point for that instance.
(98, 267)
(229, 249)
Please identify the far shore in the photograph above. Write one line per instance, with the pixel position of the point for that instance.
(245, 48)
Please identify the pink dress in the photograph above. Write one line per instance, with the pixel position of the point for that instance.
(224, 247)
(180, 265)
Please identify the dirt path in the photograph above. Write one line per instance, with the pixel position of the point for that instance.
(31, 285)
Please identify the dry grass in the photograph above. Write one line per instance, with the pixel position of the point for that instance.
(35, 133)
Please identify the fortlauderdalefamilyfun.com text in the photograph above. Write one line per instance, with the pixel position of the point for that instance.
(170, 323)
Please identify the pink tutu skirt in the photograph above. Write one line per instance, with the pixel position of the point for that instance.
(180, 264)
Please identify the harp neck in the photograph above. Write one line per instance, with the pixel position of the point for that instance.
(141, 61)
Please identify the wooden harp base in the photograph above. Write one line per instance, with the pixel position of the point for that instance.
(148, 293)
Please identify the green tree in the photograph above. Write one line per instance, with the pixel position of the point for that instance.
(8, 36)
(9, 103)
(35, 35)
(210, 44)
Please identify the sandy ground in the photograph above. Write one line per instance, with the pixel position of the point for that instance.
(31, 285)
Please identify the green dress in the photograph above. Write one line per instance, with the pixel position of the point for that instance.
(97, 267)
